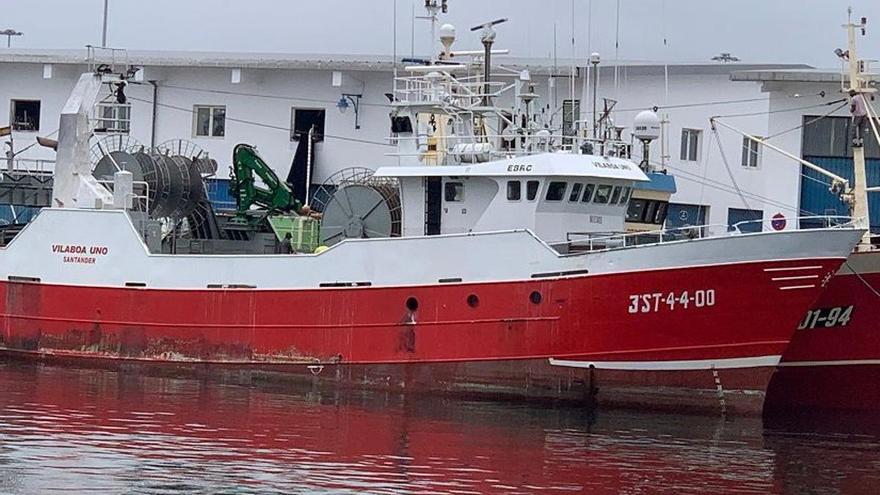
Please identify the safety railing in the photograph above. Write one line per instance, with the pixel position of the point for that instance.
(33, 166)
(583, 241)
(140, 196)
(440, 87)
(454, 149)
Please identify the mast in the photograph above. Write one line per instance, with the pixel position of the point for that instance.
(860, 193)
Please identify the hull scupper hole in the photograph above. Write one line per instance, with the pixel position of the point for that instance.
(535, 297)
(412, 304)
(473, 300)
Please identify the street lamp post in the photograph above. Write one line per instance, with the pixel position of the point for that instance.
(9, 33)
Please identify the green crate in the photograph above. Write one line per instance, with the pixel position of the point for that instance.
(304, 231)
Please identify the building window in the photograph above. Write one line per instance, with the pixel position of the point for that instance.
(588, 193)
(575, 192)
(571, 111)
(556, 191)
(603, 192)
(750, 153)
(209, 121)
(531, 190)
(25, 115)
(453, 192)
(690, 144)
(114, 117)
(303, 119)
(514, 190)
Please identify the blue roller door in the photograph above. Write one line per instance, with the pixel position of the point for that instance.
(816, 199)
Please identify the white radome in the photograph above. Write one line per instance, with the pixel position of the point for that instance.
(646, 126)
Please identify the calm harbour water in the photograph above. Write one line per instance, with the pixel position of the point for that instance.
(92, 431)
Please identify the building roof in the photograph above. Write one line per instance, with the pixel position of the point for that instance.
(242, 60)
(806, 75)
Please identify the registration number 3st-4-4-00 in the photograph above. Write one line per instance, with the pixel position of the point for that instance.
(671, 301)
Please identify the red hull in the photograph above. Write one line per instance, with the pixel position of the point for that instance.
(833, 361)
(498, 343)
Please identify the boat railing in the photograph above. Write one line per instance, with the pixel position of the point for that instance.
(454, 149)
(586, 241)
(30, 166)
(113, 60)
(140, 195)
(441, 88)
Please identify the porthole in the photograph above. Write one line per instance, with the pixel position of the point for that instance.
(535, 297)
(473, 300)
(412, 304)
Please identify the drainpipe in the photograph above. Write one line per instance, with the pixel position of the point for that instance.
(155, 113)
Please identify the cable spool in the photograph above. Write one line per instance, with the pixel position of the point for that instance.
(357, 205)
(173, 181)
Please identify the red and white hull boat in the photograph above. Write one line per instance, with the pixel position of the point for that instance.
(833, 362)
(681, 319)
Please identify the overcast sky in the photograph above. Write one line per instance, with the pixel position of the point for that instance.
(789, 31)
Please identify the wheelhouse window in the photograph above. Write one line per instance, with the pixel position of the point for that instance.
(750, 153)
(615, 195)
(624, 197)
(303, 119)
(603, 194)
(647, 211)
(575, 193)
(690, 144)
(25, 115)
(556, 191)
(636, 211)
(532, 190)
(209, 121)
(514, 190)
(588, 193)
(453, 192)
(660, 212)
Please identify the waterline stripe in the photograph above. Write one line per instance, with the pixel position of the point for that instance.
(698, 364)
(839, 362)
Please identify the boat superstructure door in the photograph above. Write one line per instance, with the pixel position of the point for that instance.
(433, 205)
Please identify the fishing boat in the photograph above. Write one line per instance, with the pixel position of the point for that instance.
(833, 361)
(489, 262)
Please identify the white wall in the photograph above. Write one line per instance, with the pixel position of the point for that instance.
(25, 81)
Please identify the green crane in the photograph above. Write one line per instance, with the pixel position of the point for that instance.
(275, 197)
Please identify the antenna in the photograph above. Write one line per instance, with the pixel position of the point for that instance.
(487, 37)
(434, 8)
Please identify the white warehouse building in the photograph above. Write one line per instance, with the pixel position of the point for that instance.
(217, 100)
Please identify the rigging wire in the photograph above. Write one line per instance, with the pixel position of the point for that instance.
(35, 143)
(811, 121)
(724, 187)
(727, 166)
(724, 102)
(784, 110)
(263, 124)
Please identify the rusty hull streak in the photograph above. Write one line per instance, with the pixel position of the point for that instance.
(131, 344)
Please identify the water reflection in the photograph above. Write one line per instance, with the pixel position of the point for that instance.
(90, 430)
